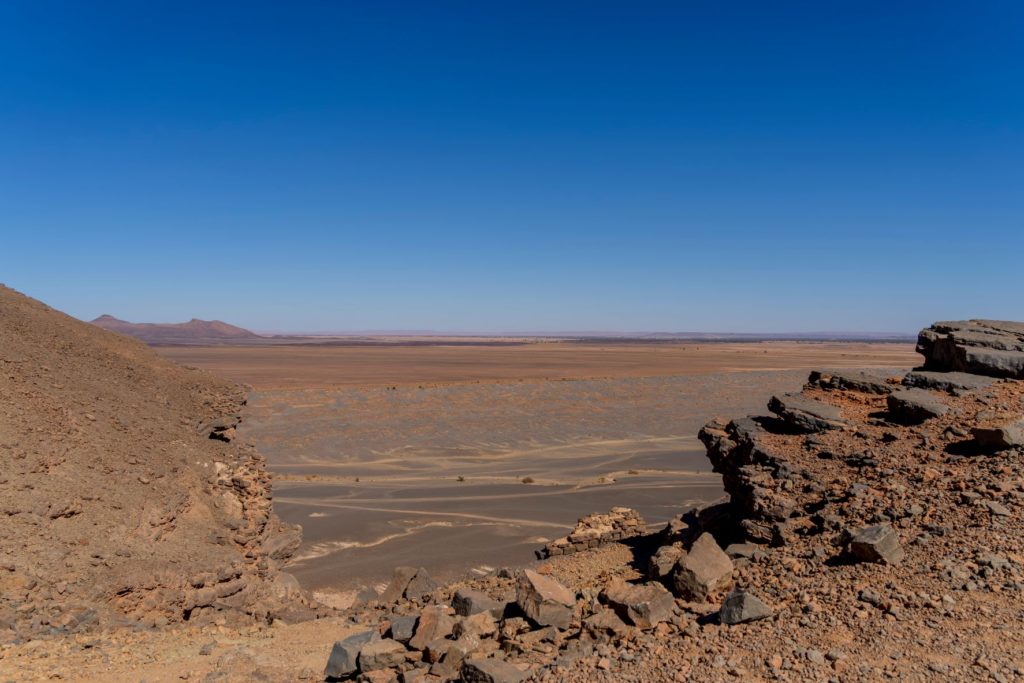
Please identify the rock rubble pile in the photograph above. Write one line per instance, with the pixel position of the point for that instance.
(873, 532)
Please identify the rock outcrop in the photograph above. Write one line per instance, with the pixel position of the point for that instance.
(981, 347)
(125, 496)
(596, 530)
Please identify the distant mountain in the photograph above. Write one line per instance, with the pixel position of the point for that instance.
(193, 332)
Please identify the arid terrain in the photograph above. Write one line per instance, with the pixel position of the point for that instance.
(427, 361)
(392, 455)
(868, 528)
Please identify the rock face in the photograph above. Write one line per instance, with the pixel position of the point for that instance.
(702, 571)
(124, 491)
(596, 530)
(544, 600)
(914, 406)
(981, 347)
(806, 414)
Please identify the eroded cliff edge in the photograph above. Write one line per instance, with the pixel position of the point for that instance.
(124, 497)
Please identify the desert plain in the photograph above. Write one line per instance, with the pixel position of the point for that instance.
(466, 455)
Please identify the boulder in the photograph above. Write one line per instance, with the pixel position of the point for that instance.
(704, 570)
(914, 406)
(545, 601)
(434, 623)
(804, 414)
(741, 607)
(850, 380)
(381, 654)
(490, 671)
(878, 543)
(344, 658)
(468, 602)
(645, 605)
(982, 347)
(1000, 437)
(957, 383)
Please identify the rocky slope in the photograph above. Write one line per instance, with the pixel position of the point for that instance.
(195, 331)
(124, 498)
(873, 531)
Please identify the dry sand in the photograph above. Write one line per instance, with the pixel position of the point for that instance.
(368, 445)
(324, 366)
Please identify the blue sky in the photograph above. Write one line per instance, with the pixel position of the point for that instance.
(515, 166)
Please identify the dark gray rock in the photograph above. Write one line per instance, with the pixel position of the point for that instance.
(741, 607)
(877, 543)
(805, 414)
(1000, 437)
(344, 658)
(476, 670)
(402, 629)
(914, 406)
(981, 347)
(850, 380)
(956, 383)
(468, 602)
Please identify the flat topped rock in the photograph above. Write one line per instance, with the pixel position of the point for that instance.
(850, 380)
(805, 414)
(914, 406)
(957, 383)
(982, 347)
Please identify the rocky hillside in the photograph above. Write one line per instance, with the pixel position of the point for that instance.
(124, 498)
(873, 532)
(195, 331)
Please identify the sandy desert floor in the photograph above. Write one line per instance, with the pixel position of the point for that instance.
(467, 458)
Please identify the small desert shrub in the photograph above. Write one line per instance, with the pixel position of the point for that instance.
(460, 478)
(527, 480)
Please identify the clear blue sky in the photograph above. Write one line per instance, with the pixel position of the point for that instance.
(499, 166)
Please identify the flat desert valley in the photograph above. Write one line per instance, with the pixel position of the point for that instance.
(462, 457)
